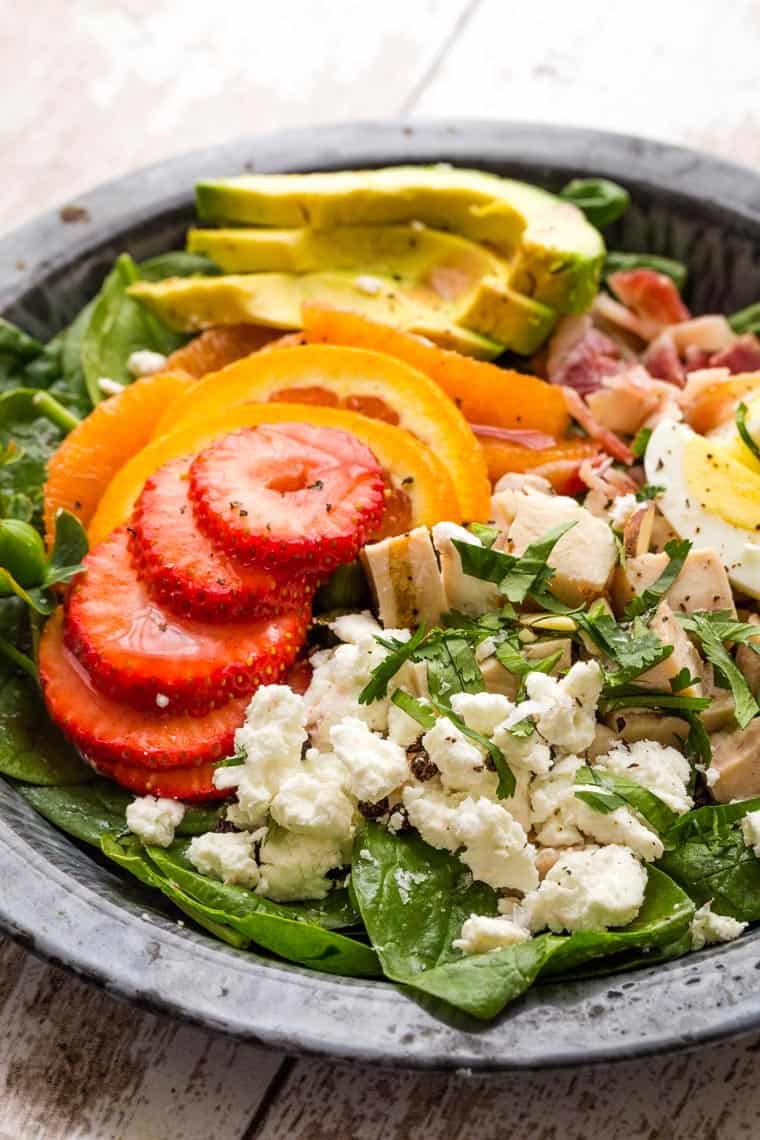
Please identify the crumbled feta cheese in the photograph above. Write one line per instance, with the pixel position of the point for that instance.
(621, 510)
(272, 740)
(143, 362)
(339, 676)
(402, 728)
(110, 387)
(396, 822)
(162, 700)
(356, 629)
(660, 768)
(406, 880)
(750, 826)
(312, 799)
(374, 766)
(712, 775)
(431, 812)
(482, 712)
(368, 284)
(591, 889)
(154, 820)
(528, 754)
(294, 866)
(549, 795)
(225, 855)
(462, 765)
(621, 826)
(707, 928)
(468, 595)
(485, 649)
(496, 848)
(481, 933)
(567, 717)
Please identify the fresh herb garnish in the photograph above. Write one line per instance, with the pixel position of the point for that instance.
(677, 551)
(400, 652)
(634, 649)
(516, 576)
(640, 442)
(485, 533)
(711, 636)
(743, 430)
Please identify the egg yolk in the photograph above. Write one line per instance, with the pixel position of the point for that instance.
(721, 483)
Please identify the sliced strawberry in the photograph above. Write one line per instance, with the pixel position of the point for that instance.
(190, 573)
(288, 494)
(137, 651)
(109, 732)
(171, 783)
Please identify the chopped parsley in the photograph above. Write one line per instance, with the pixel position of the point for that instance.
(677, 551)
(711, 635)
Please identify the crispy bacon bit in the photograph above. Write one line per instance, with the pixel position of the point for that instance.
(526, 437)
(580, 356)
(662, 361)
(742, 356)
(580, 412)
(650, 295)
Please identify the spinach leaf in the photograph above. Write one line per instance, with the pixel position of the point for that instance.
(71, 388)
(483, 984)
(707, 856)
(119, 326)
(86, 811)
(31, 748)
(616, 260)
(413, 899)
(677, 552)
(17, 351)
(129, 854)
(746, 320)
(34, 439)
(69, 549)
(177, 263)
(602, 201)
(282, 929)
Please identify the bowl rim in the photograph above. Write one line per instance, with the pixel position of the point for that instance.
(68, 914)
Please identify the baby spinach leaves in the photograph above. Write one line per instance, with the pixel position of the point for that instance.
(31, 748)
(706, 854)
(601, 200)
(85, 811)
(118, 326)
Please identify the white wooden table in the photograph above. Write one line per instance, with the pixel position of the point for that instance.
(92, 88)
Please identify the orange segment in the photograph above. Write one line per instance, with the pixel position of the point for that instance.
(503, 457)
(417, 476)
(89, 457)
(484, 393)
(217, 347)
(377, 385)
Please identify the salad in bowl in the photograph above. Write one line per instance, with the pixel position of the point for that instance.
(379, 583)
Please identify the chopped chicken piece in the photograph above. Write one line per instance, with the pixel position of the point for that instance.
(702, 584)
(631, 725)
(405, 579)
(684, 656)
(736, 759)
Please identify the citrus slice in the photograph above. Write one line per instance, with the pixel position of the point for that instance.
(372, 383)
(217, 347)
(89, 457)
(503, 456)
(419, 490)
(484, 393)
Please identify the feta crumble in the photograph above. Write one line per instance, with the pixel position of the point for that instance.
(750, 826)
(143, 362)
(591, 889)
(708, 928)
(227, 856)
(374, 766)
(154, 820)
(566, 717)
(660, 768)
(481, 933)
(294, 867)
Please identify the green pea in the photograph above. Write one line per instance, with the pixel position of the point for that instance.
(600, 200)
(22, 552)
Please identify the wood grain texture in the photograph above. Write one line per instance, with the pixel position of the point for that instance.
(77, 1064)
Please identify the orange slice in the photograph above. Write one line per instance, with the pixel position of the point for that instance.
(358, 380)
(89, 457)
(503, 457)
(217, 347)
(420, 490)
(484, 393)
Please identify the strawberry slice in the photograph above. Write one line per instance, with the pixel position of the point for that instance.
(288, 494)
(185, 569)
(111, 733)
(173, 783)
(137, 651)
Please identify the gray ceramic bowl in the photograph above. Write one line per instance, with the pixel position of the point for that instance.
(66, 906)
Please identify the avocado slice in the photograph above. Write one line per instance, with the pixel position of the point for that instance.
(557, 254)
(468, 275)
(188, 304)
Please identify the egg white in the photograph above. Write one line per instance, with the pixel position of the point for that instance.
(665, 465)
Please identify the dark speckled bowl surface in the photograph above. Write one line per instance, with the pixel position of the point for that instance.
(66, 906)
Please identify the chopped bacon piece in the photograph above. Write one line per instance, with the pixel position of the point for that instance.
(742, 356)
(612, 443)
(662, 361)
(651, 295)
(526, 437)
(696, 359)
(580, 356)
(611, 316)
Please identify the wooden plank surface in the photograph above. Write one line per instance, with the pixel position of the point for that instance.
(92, 89)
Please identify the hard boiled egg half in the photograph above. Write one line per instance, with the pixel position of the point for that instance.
(712, 492)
